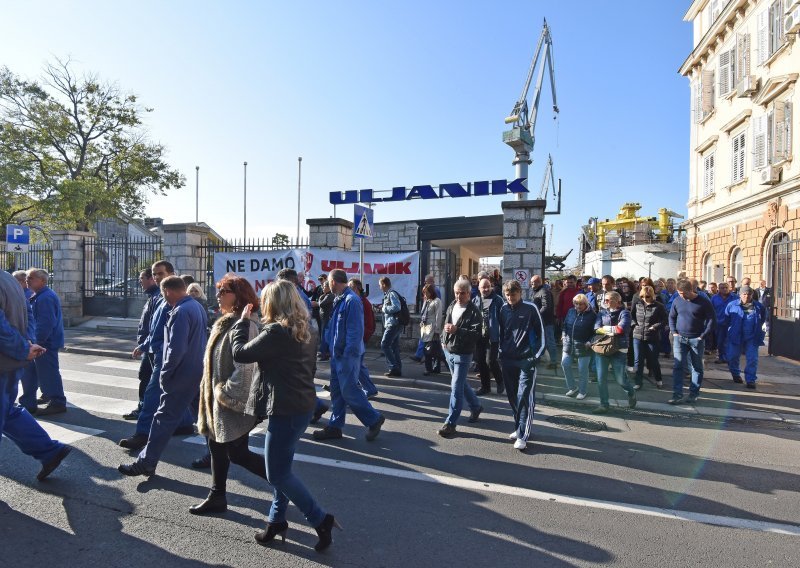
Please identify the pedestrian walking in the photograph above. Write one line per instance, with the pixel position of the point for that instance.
(364, 380)
(285, 351)
(522, 343)
(542, 298)
(614, 321)
(744, 319)
(390, 343)
(430, 330)
(720, 302)
(578, 330)
(22, 277)
(185, 337)
(226, 412)
(691, 319)
(419, 354)
(764, 295)
(325, 304)
(44, 372)
(16, 348)
(346, 341)
(151, 290)
(649, 319)
(462, 328)
(487, 350)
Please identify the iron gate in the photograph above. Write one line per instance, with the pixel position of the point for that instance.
(111, 274)
(38, 256)
(785, 309)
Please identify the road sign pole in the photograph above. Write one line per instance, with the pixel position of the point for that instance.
(361, 259)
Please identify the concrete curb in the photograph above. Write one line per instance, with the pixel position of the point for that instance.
(113, 353)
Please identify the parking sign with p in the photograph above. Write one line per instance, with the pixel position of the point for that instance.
(18, 237)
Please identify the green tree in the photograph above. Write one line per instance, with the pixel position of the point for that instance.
(280, 240)
(73, 150)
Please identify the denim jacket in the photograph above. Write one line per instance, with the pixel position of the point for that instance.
(390, 308)
(578, 329)
(345, 331)
(618, 318)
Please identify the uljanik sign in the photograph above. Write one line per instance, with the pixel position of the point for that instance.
(471, 189)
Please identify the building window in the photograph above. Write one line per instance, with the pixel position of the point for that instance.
(727, 71)
(737, 266)
(772, 135)
(708, 269)
(708, 175)
(770, 31)
(737, 153)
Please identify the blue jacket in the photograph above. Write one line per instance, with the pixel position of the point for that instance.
(49, 321)
(745, 327)
(618, 318)
(185, 342)
(390, 308)
(154, 343)
(521, 332)
(345, 331)
(494, 314)
(720, 304)
(668, 299)
(12, 343)
(147, 314)
(578, 328)
(692, 318)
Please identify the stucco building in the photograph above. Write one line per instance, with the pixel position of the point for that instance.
(744, 188)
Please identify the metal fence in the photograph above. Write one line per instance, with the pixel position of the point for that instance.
(38, 256)
(210, 248)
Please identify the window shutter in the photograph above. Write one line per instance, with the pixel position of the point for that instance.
(779, 132)
(763, 37)
(787, 120)
(759, 142)
(742, 56)
(725, 72)
(696, 102)
(708, 175)
(716, 8)
(738, 154)
(708, 91)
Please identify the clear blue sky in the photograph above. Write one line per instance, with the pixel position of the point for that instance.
(379, 94)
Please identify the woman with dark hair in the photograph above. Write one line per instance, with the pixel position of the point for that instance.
(285, 351)
(224, 394)
(430, 330)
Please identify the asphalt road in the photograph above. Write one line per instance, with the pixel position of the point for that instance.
(648, 491)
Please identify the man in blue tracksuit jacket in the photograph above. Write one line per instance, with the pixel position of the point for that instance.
(44, 372)
(16, 423)
(744, 318)
(153, 294)
(346, 341)
(488, 346)
(522, 343)
(185, 336)
(720, 301)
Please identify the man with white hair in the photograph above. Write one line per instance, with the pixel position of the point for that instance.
(44, 373)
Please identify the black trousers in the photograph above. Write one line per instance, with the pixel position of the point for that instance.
(486, 355)
(433, 356)
(223, 454)
(145, 371)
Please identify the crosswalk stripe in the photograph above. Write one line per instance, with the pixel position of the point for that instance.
(99, 404)
(68, 433)
(129, 383)
(116, 364)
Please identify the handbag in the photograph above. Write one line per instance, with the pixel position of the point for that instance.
(605, 344)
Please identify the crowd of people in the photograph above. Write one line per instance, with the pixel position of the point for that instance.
(258, 359)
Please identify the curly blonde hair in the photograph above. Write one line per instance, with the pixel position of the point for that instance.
(281, 303)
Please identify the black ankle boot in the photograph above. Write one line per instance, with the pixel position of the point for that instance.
(324, 531)
(273, 529)
(214, 503)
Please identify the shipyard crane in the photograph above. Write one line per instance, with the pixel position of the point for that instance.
(521, 136)
(549, 179)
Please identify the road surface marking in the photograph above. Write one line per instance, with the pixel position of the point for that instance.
(117, 364)
(129, 383)
(68, 433)
(99, 404)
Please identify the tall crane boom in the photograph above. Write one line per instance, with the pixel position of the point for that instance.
(521, 136)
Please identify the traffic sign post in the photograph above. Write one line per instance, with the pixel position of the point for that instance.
(362, 229)
(18, 238)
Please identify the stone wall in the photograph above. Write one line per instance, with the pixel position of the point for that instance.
(330, 233)
(182, 244)
(68, 266)
(522, 236)
(392, 237)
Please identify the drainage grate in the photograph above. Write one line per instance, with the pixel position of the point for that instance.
(577, 423)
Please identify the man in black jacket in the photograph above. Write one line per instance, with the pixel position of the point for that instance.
(462, 328)
(489, 304)
(148, 284)
(521, 345)
(542, 298)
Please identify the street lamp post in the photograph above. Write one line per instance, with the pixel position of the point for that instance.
(299, 174)
(245, 204)
(197, 194)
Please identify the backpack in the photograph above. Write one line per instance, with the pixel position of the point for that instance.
(403, 316)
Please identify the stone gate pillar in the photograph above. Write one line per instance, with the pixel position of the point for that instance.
(523, 241)
(330, 233)
(182, 242)
(70, 272)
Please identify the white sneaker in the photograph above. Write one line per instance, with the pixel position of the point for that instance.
(581, 396)
(513, 435)
(572, 392)
(520, 445)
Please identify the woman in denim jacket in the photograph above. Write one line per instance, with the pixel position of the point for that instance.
(578, 329)
(613, 320)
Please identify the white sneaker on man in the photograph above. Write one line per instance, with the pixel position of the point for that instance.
(581, 396)
(520, 445)
(572, 392)
(513, 435)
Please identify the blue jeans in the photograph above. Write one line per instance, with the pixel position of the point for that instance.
(459, 387)
(364, 379)
(22, 428)
(283, 432)
(390, 345)
(691, 351)
(43, 373)
(583, 370)
(750, 350)
(645, 351)
(345, 391)
(521, 391)
(152, 398)
(722, 342)
(617, 361)
(420, 352)
(550, 342)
